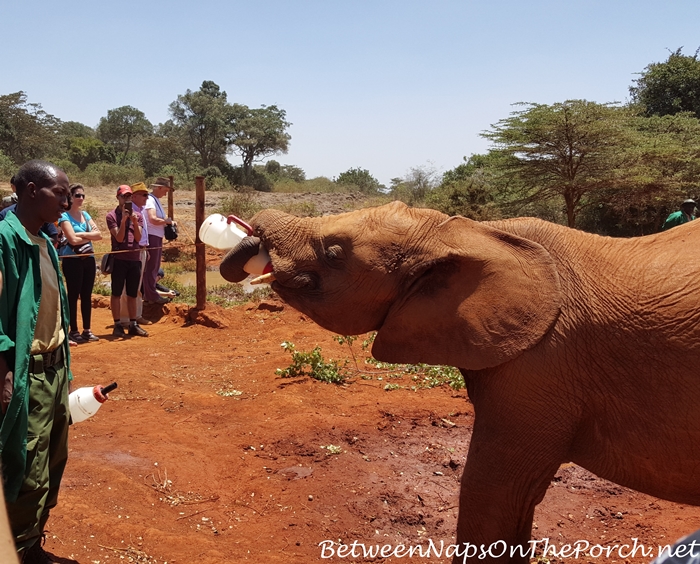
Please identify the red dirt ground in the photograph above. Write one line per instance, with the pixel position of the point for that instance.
(170, 471)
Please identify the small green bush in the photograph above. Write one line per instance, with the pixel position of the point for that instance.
(300, 209)
(240, 204)
(7, 167)
(312, 364)
(108, 174)
(71, 169)
(320, 184)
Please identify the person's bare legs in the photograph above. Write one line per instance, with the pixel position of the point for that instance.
(115, 306)
(131, 305)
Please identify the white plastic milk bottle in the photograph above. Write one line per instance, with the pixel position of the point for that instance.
(221, 233)
(84, 402)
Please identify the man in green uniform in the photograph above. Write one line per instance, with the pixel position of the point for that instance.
(34, 357)
(684, 215)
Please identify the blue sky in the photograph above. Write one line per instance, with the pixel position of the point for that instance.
(381, 85)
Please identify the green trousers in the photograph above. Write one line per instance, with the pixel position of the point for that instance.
(47, 454)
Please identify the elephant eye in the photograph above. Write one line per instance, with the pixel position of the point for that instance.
(335, 252)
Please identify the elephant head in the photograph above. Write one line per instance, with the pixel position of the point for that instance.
(438, 290)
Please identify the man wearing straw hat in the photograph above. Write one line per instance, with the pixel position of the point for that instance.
(156, 220)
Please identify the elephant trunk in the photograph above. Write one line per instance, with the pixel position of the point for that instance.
(231, 268)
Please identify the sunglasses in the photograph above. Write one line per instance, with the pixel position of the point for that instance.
(81, 196)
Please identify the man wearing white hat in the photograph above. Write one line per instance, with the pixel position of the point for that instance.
(156, 219)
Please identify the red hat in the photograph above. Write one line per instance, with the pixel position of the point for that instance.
(124, 189)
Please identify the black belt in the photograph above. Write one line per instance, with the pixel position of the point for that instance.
(38, 363)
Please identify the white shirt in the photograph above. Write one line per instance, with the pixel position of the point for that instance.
(143, 242)
(153, 203)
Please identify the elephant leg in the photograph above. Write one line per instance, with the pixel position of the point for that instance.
(497, 502)
(511, 462)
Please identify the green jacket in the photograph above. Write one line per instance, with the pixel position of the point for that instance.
(676, 218)
(19, 308)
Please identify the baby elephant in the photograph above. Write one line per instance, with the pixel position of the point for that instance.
(573, 347)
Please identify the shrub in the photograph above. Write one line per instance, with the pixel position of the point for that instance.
(7, 167)
(320, 184)
(300, 209)
(107, 174)
(240, 204)
(312, 364)
(70, 168)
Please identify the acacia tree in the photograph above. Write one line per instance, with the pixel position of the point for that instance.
(568, 150)
(669, 87)
(122, 128)
(258, 133)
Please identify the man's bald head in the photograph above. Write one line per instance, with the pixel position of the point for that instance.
(41, 173)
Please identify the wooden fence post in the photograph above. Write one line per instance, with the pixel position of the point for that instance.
(171, 211)
(200, 251)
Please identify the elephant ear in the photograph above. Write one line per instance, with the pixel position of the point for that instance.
(485, 297)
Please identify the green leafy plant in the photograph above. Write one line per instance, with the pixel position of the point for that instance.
(423, 375)
(312, 364)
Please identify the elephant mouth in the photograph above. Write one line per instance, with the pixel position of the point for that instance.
(300, 281)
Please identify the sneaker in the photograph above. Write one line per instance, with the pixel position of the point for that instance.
(161, 300)
(118, 330)
(142, 321)
(137, 331)
(35, 554)
(76, 337)
(89, 336)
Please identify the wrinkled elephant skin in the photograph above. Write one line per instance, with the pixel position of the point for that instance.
(573, 347)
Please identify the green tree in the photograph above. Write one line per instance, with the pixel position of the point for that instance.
(669, 87)
(361, 179)
(415, 186)
(84, 151)
(259, 133)
(569, 150)
(168, 147)
(277, 172)
(293, 172)
(662, 171)
(71, 129)
(471, 189)
(26, 130)
(207, 120)
(122, 128)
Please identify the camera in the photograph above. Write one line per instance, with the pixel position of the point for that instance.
(129, 207)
